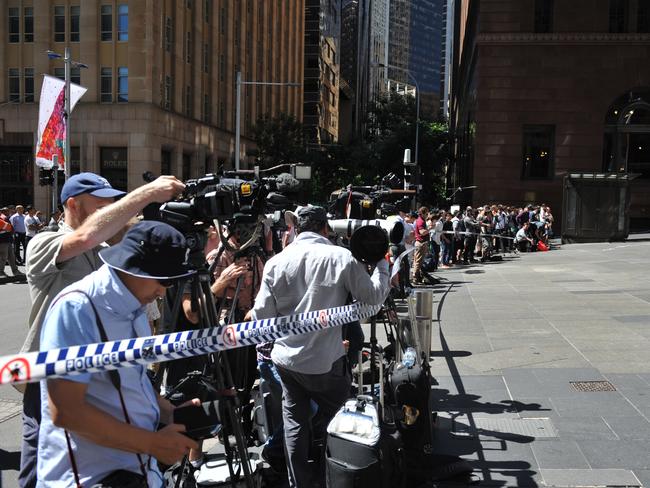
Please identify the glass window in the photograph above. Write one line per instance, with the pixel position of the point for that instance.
(113, 166)
(75, 75)
(188, 47)
(643, 17)
(169, 34)
(543, 15)
(188, 101)
(14, 85)
(74, 23)
(222, 21)
(618, 10)
(168, 92)
(187, 166)
(165, 162)
(122, 22)
(59, 24)
(29, 24)
(222, 67)
(188, 3)
(122, 84)
(106, 85)
(538, 144)
(206, 10)
(206, 57)
(206, 108)
(59, 73)
(14, 24)
(107, 23)
(29, 85)
(75, 160)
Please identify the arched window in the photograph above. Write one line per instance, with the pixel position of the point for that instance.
(626, 145)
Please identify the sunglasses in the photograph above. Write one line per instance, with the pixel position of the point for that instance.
(166, 283)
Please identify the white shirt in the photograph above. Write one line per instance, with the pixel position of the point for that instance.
(31, 220)
(313, 274)
(521, 235)
(437, 231)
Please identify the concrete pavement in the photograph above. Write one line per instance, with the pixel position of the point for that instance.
(514, 344)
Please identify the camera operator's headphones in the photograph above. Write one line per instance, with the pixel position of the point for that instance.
(369, 244)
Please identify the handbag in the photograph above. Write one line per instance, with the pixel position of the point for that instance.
(121, 478)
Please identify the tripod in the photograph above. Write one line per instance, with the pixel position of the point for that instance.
(217, 374)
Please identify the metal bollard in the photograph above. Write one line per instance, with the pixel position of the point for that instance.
(421, 309)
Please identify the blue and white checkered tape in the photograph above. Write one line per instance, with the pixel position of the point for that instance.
(90, 358)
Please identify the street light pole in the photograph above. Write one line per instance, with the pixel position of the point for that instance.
(238, 84)
(237, 120)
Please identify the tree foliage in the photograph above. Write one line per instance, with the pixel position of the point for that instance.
(390, 129)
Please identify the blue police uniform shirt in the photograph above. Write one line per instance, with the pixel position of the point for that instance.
(71, 321)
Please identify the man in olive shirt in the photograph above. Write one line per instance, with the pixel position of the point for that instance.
(58, 259)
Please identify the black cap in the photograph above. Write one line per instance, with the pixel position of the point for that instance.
(311, 213)
(150, 250)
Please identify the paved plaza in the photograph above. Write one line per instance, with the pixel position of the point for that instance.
(542, 362)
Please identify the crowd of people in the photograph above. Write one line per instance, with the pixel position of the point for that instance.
(18, 225)
(95, 272)
(444, 238)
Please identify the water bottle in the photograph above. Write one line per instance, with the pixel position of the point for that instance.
(410, 356)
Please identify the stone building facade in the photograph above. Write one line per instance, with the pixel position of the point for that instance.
(160, 79)
(541, 89)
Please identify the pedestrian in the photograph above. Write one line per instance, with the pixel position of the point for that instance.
(6, 245)
(446, 240)
(57, 259)
(90, 434)
(18, 223)
(421, 245)
(32, 225)
(313, 274)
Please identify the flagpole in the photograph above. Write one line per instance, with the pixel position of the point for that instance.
(67, 151)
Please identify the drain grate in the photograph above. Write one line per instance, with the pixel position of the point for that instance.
(590, 386)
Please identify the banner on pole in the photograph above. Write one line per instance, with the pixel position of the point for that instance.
(52, 123)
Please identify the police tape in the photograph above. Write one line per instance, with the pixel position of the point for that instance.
(91, 358)
(465, 233)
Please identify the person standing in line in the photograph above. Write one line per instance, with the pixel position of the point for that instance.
(421, 247)
(18, 223)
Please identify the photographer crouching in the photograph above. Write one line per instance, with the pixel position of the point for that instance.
(99, 429)
(313, 274)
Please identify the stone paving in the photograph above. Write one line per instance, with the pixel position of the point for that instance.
(513, 343)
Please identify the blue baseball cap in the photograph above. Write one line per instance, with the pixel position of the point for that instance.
(96, 185)
(150, 249)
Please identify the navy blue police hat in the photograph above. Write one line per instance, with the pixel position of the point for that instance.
(88, 183)
(150, 249)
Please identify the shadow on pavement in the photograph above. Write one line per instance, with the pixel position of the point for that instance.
(9, 460)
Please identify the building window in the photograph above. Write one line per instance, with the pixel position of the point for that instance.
(187, 166)
(107, 85)
(538, 144)
(74, 23)
(165, 162)
(188, 47)
(122, 22)
(75, 75)
(187, 109)
(168, 92)
(222, 115)
(122, 84)
(643, 17)
(543, 15)
(59, 24)
(222, 21)
(59, 73)
(188, 4)
(169, 34)
(75, 160)
(222, 67)
(618, 15)
(14, 85)
(14, 24)
(206, 57)
(113, 166)
(29, 85)
(206, 109)
(29, 24)
(206, 10)
(106, 23)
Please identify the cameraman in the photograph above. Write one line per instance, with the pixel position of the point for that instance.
(57, 259)
(91, 434)
(313, 274)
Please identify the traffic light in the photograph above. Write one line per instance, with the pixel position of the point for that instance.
(409, 171)
(45, 176)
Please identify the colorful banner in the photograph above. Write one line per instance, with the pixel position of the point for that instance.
(52, 122)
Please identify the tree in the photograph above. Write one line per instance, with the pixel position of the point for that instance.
(279, 140)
